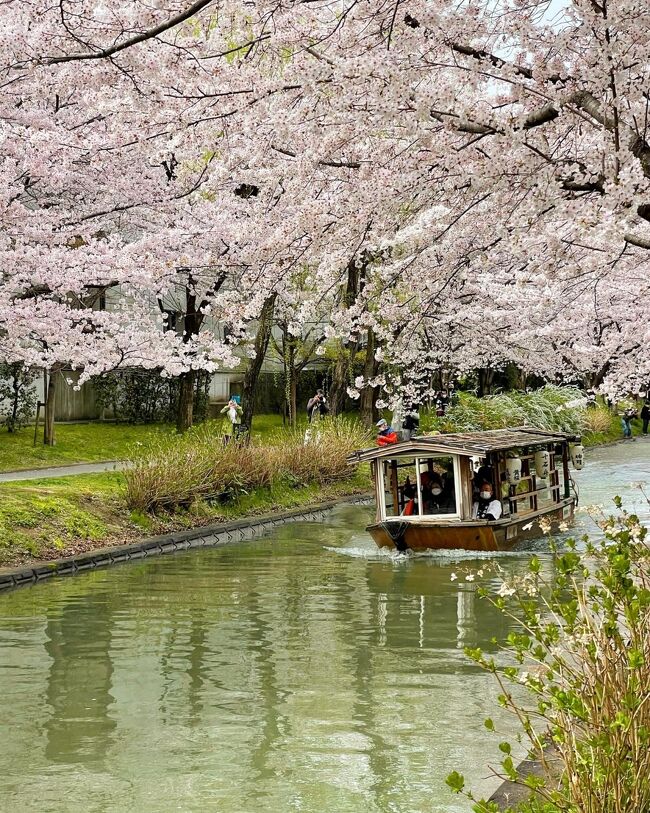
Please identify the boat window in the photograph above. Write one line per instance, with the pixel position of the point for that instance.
(437, 485)
(415, 487)
(397, 488)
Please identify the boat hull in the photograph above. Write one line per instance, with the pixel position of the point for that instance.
(479, 536)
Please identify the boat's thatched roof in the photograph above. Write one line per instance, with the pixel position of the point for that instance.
(466, 443)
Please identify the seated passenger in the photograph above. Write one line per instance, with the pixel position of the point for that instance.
(442, 499)
(483, 475)
(436, 499)
(409, 488)
(486, 506)
(387, 435)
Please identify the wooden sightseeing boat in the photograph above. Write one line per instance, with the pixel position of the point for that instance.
(527, 468)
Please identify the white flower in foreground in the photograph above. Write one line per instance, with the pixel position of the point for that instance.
(453, 577)
(527, 526)
(506, 590)
(637, 533)
(469, 577)
(544, 525)
(523, 677)
(563, 526)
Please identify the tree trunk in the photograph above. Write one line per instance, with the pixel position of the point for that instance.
(293, 394)
(595, 379)
(252, 373)
(341, 377)
(50, 393)
(185, 412)
(289, 358)
(368, 412)
(15, 385)
(191, 329)
(485, 380)
(355, 280)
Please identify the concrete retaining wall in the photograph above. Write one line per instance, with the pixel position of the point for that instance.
(207, 536)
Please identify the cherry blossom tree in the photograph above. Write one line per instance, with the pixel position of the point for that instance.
(490, 158)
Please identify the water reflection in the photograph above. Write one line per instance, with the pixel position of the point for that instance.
(79, 727)
(305, 671)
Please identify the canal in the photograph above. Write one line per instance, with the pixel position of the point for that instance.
(304, 671)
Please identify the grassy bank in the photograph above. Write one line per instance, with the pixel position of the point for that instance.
(175, 483)
(50, 518)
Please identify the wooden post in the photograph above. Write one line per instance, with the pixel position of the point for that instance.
(466, 496)
(393, 487)
(39, 404)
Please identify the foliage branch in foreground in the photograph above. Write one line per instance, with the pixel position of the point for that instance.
(577, 674)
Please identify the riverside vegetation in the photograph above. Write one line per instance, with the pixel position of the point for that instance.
(176, 482)
(553, 408)
(576, 675)
(180, 471)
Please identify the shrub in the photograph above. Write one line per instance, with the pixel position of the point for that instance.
(580, 652)
(552, 408)
(17, 395)
(175, 471)
(600, 420)
(144, 396)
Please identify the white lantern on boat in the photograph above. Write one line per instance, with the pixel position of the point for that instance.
(577, 454)
(513, 470)
(542, 464)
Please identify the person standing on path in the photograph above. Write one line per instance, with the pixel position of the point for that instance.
(645, 415)
(232, 417)
(317, 407)
(626, 419)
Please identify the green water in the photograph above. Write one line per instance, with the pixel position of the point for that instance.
(301, 672)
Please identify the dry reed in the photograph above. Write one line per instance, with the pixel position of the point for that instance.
(178, 471)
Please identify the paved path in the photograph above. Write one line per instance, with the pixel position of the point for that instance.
(60, 471)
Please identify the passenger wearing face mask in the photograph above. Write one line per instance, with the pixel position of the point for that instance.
(436, 499)
(486, 506)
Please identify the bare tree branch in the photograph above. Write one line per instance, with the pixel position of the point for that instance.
(640, 242)
(142, 37)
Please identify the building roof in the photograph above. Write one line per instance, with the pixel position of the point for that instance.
(466, 443)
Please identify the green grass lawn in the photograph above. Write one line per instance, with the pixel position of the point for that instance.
(93, 442)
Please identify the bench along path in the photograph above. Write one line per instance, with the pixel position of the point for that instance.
(61, 471)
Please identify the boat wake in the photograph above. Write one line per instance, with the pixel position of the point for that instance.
(446, 555)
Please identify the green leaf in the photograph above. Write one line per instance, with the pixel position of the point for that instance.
(635, 659)
(456, 781)
(505, 747)
(489, 724)
(509, 768)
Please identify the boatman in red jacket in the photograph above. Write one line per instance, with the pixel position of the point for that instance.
(386, 434)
